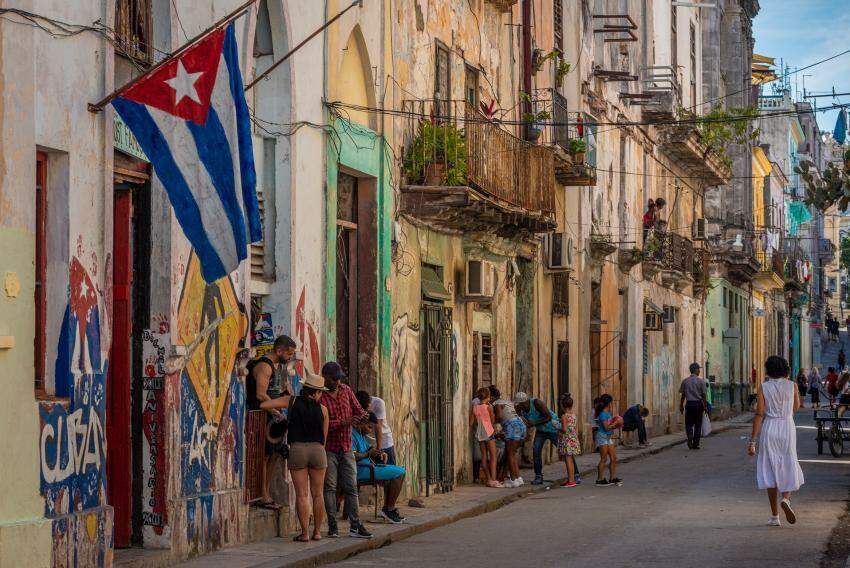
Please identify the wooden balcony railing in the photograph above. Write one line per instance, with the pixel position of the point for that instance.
(255, 453)
(450, 144)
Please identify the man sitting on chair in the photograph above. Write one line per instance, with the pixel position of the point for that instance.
(368, 458)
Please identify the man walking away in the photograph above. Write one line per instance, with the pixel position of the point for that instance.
(343, 411)
(693, 404)
(633, 419)
(536, 414)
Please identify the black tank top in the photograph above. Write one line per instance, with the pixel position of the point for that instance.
(306, 422)
(251, 399)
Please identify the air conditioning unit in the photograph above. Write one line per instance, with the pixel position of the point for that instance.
(558, 252)
(699, 230)
(480, 280)
(651, 321)
(669, 315)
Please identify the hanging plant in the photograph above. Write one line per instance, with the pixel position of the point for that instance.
(721, 127)
(538, 58)
(561, 71)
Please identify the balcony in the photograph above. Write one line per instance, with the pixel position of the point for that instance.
(661, 94)
(684, 144)
(826, 251)
(572, 136)
(672, 256)
(503, 5)
(771, 274)
(464, 173)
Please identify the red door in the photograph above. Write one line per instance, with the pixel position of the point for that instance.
(118, 457)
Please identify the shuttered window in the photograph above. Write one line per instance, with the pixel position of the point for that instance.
(133, 29)
(39, 341)
(558, 22)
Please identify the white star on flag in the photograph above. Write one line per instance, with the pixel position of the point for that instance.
(183, 84)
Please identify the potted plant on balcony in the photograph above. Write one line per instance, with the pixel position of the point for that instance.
(576, 147)
(601, 246)
(561, 71)
(628, 258)
(437, 155)
(534, 120)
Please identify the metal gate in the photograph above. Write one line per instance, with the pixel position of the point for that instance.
(605, 365)
(436, 373)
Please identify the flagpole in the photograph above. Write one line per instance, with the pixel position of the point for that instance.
(98, 106)
(274, 65)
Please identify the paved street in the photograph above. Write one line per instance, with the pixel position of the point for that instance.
(677, 508)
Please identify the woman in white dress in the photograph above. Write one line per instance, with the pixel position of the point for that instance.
(777, 469)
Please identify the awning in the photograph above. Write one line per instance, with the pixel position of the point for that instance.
(432, 285)
(649, 304)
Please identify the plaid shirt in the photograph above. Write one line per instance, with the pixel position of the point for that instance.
(341, 408)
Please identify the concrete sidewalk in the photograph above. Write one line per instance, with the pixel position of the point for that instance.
(465, 501)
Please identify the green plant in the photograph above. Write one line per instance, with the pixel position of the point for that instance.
(535, 117)
(721, 127)
(561, 71)
(833, 188)
(437, 143)
(538, 58)
(576, 146)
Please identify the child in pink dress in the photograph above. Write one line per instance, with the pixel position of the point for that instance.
(568, 443)
(482, 417)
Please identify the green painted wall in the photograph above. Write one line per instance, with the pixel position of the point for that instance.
(357, 148)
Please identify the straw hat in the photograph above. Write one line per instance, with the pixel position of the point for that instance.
(316, 382)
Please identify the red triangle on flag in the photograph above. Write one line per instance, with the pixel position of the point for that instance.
(183, 86)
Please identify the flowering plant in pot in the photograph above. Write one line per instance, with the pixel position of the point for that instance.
(576, 147)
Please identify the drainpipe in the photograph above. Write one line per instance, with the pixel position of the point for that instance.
(526, 57)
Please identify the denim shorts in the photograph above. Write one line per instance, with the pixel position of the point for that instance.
(515, 429)
(602, 439)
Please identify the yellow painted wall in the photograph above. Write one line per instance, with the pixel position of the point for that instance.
(350, 85)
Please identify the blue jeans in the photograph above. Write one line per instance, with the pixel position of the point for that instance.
(540, 438)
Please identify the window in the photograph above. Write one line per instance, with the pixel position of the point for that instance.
(674, 40)
(693, 50)
(262, 252)
(472, 86)
(133, 29)
(561, 294)
(482, 360)
(558, 22)
(442, 84)
(40, 340)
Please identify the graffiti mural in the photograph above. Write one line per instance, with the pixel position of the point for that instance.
(404, 349)
(211, 324)
(73, 438)
(154, 458)
(83, 540)
(305, 332)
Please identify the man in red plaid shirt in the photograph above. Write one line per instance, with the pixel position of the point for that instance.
(343, 411)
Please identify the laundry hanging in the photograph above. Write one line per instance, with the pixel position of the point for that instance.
(798, 214)
(840, 132)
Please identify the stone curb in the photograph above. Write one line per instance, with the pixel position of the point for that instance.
(309, 559)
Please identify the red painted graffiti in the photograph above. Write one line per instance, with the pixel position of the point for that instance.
(306, 334)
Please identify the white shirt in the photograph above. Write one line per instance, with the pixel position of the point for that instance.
(379, 407)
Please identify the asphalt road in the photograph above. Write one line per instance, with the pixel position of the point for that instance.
(678, 508)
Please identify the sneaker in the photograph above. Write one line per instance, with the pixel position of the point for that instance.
(359, 531)
(602, 483)
(789, 512)
(519, 482)
(397, 514)
(391, 516)
(510, 483)
(568, 484)
(616, 481)
(538, 480)
(333, 531)
(774, 522)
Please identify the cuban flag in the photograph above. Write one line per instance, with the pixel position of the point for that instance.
(191, 119)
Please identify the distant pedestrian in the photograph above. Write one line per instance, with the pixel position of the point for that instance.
(568, 443)
(606, 424)
(774, 436)
(633, 419)
(537, 415)
(802, 385)
(481, 417)
(693, 404)
(513, 431)
(842, 359)
(830, 383)
(815, 387)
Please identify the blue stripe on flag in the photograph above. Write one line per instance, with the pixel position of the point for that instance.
(243, 127)
(155, 146)
(214, 153)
